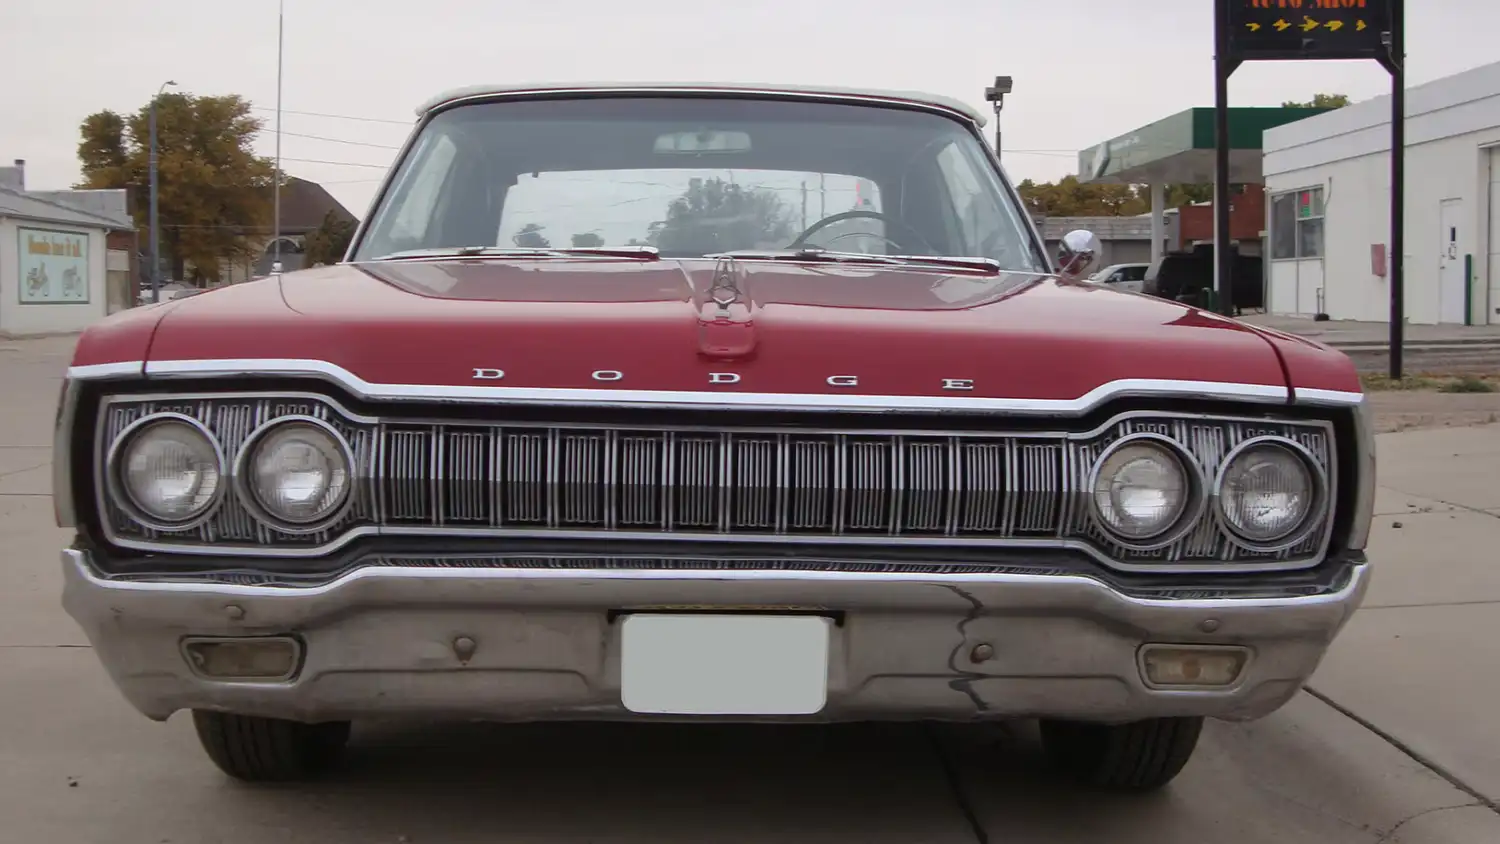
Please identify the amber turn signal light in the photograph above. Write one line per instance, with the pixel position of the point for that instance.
(260, 659)
(1192, 666)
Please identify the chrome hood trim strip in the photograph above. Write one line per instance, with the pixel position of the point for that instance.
(1137, 387)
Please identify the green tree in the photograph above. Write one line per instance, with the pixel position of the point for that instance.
(530, 237)
(586, 240)
(1069, 197)
(1180, 195)
(713, 214)
(327, 243)
(214, 192)
(1320, 101)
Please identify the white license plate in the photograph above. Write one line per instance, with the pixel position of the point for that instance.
(724, 664)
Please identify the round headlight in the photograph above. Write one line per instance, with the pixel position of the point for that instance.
(1267, 492)
(1141, 490)
(298, 472)
(168, 471)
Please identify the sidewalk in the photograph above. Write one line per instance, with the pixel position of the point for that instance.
(1348, 333)
(1418, 660)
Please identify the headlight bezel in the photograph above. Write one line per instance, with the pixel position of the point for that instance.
(1195, 502)
(118, 490)
(244, 482)
(1317, 510)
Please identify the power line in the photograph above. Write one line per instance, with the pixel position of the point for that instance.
(338, 140)
(336, 163)
(407, 123)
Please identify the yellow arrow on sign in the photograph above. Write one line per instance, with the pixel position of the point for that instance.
(1334, 26)
(1359, 26)
(1281, 25)
(1308, 24)
(1254, 27)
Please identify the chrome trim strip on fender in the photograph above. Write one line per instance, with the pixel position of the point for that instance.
(1335, 398)
(1144, 387)
(79, 562)
(99, 371)
(63, 506)
(1364, 494)
(1364, 444)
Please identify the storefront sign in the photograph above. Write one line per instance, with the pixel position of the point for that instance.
(54, 267)
(1309, 29)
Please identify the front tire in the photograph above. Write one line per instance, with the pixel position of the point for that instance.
(1140, 756)
(257, 749)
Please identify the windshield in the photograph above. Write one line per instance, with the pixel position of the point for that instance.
(694, 176)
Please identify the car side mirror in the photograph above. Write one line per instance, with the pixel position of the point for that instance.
(1077, 252)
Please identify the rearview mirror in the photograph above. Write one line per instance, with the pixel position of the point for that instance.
(701, 142)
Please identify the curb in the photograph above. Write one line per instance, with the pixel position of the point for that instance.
(1481, 342)
(1452, 348)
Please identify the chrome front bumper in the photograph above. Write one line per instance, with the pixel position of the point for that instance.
(379, 641)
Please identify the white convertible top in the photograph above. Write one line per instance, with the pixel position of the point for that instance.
(911, 97)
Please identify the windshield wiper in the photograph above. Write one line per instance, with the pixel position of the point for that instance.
(831, 257)
(643, 253)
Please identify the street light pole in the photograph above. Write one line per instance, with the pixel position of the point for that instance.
(155, 221)
(996, 94)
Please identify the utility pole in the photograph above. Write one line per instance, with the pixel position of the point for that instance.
(276, 188)
(155, 219)
(996, 94)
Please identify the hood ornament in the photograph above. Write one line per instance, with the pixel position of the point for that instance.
(726, 329)
(724, 291)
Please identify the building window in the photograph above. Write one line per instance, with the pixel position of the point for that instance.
(1297, 224)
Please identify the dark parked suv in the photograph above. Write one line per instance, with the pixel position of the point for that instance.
(1188, 277)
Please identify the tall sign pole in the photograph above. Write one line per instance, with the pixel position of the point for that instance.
(1225, 64)
(1395, 63)
(1312, 30)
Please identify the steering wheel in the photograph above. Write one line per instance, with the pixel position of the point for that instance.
(859, 214)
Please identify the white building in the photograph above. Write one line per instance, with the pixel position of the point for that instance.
(55, 259)
(1328, 206)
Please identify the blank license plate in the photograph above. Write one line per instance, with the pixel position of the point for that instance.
(724, 664)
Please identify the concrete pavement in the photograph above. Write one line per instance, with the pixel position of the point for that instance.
(77, 764)
(1421, 659)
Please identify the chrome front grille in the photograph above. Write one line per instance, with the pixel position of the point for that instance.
(728, 482)
(528, 479)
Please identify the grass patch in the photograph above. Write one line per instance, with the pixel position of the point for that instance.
(1376, 383)
(1467, 384)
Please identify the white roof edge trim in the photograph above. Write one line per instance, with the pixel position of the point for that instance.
(917, 98)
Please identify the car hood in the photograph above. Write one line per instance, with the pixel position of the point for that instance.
(755, 327)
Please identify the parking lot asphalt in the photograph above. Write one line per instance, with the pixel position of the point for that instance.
(1395, 742)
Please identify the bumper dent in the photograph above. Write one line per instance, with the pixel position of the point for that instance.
(380, 641)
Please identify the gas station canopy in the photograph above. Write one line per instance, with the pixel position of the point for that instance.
(1180, 149)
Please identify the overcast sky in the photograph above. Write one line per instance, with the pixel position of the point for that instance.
(1085, 70)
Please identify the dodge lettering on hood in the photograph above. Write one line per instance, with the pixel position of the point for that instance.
(704, 403)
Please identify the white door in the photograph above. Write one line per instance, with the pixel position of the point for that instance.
(1452, 287)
